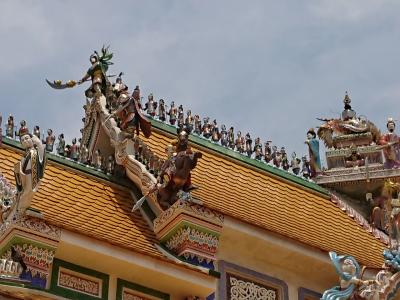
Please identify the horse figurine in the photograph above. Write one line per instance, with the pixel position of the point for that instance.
(175, 174)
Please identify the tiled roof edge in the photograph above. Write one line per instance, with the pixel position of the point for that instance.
(242, 158)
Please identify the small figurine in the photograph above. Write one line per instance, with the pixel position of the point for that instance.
(313, 149)
(390, 145)
(110, 165)
(285, 160)
(36, 131)
(231, 138)
(181, 116)
(305, 167)
(151, 106)
(267, 151)
(74, 150)
(49, 141)
(215, 132)
(1, 131)
(276, 157)
(172, 113)
(224, 136)
(97, 160)
(238, 141)
(10, 127)
(355, 159)
(206, 127)
(197, 124)
(83, 154)
(189, 121)
(249, 141)
(295, 164)
(258, 153)
(161, 111)
(117, 88)
(61, 145)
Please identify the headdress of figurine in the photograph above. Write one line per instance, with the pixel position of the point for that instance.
(312, 132)
(150, 96)
(347, 101)
(23, 130)
(119, 78)
(94, 57)
(347, 113)
(390, 121)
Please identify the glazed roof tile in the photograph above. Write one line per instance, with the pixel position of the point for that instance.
(89, 205)
(266, 197)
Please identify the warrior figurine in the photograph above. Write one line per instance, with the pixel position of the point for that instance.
(305, 167)
(197, 124)
(110, 165)
(231, 138)
(224, 136)
(83, 154)
(30, 170)
(161, 111)
(10, 127)
(258, 153)
(61, 145)
(276, 157)
(355, 159)
(267, 151)
(130, 115)
(313, 149)
(285, 160)
(172, 113)
(215, 136)
(36, 131)
(249, 142)
(295, 164)
(97, 160)
(151, 106)
(97, 73)
(49, 141)
(119, 87)
(390, 145)
(206, 127)
(189, 121)
(74, 150)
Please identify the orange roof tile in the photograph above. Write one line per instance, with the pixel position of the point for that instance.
(258, 197)
(84, 204)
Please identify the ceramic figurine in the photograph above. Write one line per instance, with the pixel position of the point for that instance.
(130, 115)
(267, 151)
(313, 149)
(36, 131)
(224, 136)
(189, 121)
(49, 141)
(305, 167)
(1, 131)
(231, 138)
(285, 160)
(161, 111)
(74, 150)
(215, 136)
(172, 113)
(258, 153)
(110, 165)
(197, 124)
(120, 89)
(97, 160)
(206, 127)
(83, 154)
(97, 74)
(390, 146)
(249, 142)
(61, 145)
(30, 170)
(295, 164)
(181, 116)
(10, 127)
(276, 157)
(151, 106)
(238, 141)
(355, 159)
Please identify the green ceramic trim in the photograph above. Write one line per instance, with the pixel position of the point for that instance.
(17, 240)
(140, 288)
(186, 224)
(63, 292)
(165, 128)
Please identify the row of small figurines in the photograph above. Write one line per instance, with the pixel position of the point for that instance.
(242, 144)
(78, 153)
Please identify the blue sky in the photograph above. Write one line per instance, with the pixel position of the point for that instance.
(265, 67)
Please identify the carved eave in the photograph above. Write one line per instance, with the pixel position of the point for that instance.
(391, 289)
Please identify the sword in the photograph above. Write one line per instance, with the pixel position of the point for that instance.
(58, 85)
(139, 203)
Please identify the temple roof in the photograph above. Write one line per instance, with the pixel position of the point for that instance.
(83, 203)
(272, 199)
